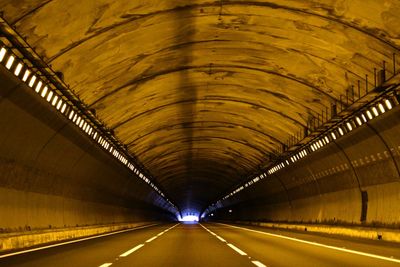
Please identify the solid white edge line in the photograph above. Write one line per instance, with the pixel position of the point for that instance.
(106, 265)
(258, 264)
(151, 239)
(241, 252)
(318, 244)
(73, 241)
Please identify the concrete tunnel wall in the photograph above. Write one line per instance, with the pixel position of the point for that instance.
(360, 171)
(51, 175)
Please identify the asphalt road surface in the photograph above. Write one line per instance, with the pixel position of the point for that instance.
(210, 244)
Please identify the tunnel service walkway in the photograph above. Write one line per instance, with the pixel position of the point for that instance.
(211, 244)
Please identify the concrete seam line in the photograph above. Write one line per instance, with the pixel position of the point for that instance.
(74, 241)
(317, 244)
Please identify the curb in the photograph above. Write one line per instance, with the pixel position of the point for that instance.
(389, 235)
(17, 241)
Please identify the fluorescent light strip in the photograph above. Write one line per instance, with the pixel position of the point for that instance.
(388, 104)
(3, 52)
(18, 69)
(26, 75)
(375, 111)
(71, 114)
(49, 96)
(348, 124)
(56, 101)
(38, 86)
(63, 108)
(10, 62)
(44, 92)
(59, 104)
(32, 81)
(381, 108)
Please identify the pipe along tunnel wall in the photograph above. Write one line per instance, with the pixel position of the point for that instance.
(52, 176)
(354, 180)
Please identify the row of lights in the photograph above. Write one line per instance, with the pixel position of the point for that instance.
(60, 103)
(347, 126)
(357, 120)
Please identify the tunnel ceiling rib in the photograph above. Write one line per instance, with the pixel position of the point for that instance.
(202, 92)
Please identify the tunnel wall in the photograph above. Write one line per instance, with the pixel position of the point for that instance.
(52, 175)
(354, 180)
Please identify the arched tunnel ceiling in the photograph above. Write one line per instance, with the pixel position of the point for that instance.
(203, 91)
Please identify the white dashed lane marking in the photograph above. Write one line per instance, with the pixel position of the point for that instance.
(127, 253)
(220, 238)
(151, 239)
(241, 252)
(238, 250)
(258, 264)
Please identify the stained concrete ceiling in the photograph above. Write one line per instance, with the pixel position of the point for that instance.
(203, 91)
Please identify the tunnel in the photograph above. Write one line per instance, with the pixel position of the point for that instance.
(199, 133)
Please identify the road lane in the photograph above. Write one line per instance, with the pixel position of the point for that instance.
(235, 248)
(94, 252)
(185, 245)
(278, 251)
(208, 244)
